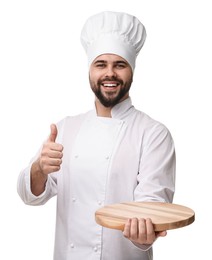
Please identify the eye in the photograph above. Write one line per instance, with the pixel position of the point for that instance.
(100, 65)
(121, 65)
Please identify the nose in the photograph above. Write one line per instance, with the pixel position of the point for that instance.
(110, 72)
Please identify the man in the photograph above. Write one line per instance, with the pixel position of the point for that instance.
(112, 154)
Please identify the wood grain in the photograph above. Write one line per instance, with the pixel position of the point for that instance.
(165, 216)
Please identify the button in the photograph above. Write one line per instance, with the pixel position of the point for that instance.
(71, 245)
(100, 202)
(76, 156)
(95, 249)
(107, 157)
(74, 199)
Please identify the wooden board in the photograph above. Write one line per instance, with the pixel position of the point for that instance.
(164, 216)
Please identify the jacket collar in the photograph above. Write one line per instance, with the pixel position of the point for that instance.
(122, 109)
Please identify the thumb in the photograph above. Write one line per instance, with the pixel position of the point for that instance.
(53, 134)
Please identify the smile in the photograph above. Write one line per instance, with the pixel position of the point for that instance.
(110, 85)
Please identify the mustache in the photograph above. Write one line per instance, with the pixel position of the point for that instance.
(99, 82)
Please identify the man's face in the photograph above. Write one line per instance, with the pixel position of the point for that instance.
(110, 79)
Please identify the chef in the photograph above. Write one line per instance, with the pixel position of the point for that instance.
(111, 154)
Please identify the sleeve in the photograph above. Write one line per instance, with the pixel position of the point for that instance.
(156, 177)
(24, 190)
(24, 185)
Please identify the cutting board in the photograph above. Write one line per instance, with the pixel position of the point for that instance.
(164, 216)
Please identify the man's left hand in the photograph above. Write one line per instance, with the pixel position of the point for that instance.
(141, 231)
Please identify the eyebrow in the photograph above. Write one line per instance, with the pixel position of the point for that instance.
(115, 62)
(100, 61)
(121, 62)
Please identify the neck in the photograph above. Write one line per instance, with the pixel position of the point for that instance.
(102, 110)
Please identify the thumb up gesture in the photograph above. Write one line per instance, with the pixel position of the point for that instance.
(51, 154)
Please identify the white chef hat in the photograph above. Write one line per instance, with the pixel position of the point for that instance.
(113, 33)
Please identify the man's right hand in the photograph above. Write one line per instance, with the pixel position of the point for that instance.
(51, 154)
(49, 161)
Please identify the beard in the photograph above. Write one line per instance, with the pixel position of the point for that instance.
(110, 98)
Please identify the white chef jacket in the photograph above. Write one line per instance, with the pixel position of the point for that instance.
(129, 157)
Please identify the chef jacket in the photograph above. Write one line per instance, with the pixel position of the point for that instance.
(128, 157)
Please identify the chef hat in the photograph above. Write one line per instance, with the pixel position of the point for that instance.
(113, 33)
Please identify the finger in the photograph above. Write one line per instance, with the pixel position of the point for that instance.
(126, 231)
(134, 229)
(161, 233)
(52, 150)
(49, 169)
(49, 165)
(53, 133)
(46, 162)
(142, 230)
(150, 231)
(55, 162)
(54, 147)
(55, 154)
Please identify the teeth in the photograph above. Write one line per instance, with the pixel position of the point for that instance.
(110, 85)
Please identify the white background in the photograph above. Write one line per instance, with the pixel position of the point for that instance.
(43, 77)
